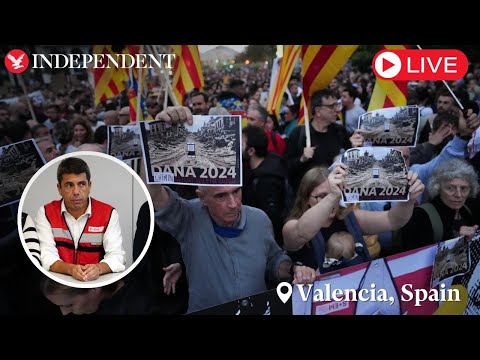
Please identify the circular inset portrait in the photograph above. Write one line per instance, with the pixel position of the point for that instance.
(77, 219)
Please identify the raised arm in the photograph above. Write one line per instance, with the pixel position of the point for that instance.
(172, 115)
(298, 156)
(454, 149)
(296, 233)
(375, 222)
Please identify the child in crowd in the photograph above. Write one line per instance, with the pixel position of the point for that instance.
(339, 251)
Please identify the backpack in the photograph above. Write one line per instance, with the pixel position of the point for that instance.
(436, 221)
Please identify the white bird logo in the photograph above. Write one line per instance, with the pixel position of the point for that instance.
(16, 63)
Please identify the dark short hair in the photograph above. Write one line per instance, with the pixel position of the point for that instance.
(257, 139)
(17, 130)
(235, 82)
(317, 98)
(72, 165)
(100, 135)
(352, 92)
(447, 118)
(421, 93)
(293, 109)
(51, 287)
(199, 93)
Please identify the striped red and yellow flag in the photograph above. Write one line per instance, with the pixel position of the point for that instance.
(320, 64)
(134, 96)
(288, 61)
(389, 93)
(187, 70)
(111, 81)
(132, 86)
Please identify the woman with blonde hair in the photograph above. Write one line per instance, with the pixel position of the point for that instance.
(316, 215)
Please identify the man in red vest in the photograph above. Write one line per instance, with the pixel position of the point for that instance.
(79, 235)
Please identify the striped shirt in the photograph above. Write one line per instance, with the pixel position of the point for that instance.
(30, 236)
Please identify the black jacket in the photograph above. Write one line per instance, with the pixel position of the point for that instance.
(418, 231)
(163, 251)
(327, 146)
(265, 188)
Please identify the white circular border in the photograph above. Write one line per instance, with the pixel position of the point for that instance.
(86, 285)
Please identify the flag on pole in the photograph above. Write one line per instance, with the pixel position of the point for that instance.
(389, 93)
(320, 64)
(187, 70)
(109, 82)
(134, 96)
(280, 82)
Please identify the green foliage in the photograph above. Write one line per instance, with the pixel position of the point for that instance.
(362, 58)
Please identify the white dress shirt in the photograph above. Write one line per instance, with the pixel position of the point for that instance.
(112, 238)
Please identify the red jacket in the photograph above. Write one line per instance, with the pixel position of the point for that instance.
(276, 143)
(90, 245)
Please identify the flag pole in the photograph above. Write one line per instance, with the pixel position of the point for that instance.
(307, 125)
(449, 89)
(161, 79)
(167, 80)
(30, 107)
(140, 89)
(165, 96)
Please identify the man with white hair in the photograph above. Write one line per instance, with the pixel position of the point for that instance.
(47, 147)
(228, 248)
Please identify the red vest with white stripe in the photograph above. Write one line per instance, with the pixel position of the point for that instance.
(90, 245)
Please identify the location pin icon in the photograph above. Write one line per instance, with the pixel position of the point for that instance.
(284, 296)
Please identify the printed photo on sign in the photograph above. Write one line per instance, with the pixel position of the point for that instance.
(451, 260)
(471, 280)
(375, 174)
(395, 126)
(18, 163)
(205, 153)
(124, 142)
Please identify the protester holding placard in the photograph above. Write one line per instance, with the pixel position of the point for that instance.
(228, 248)
(316, 215)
